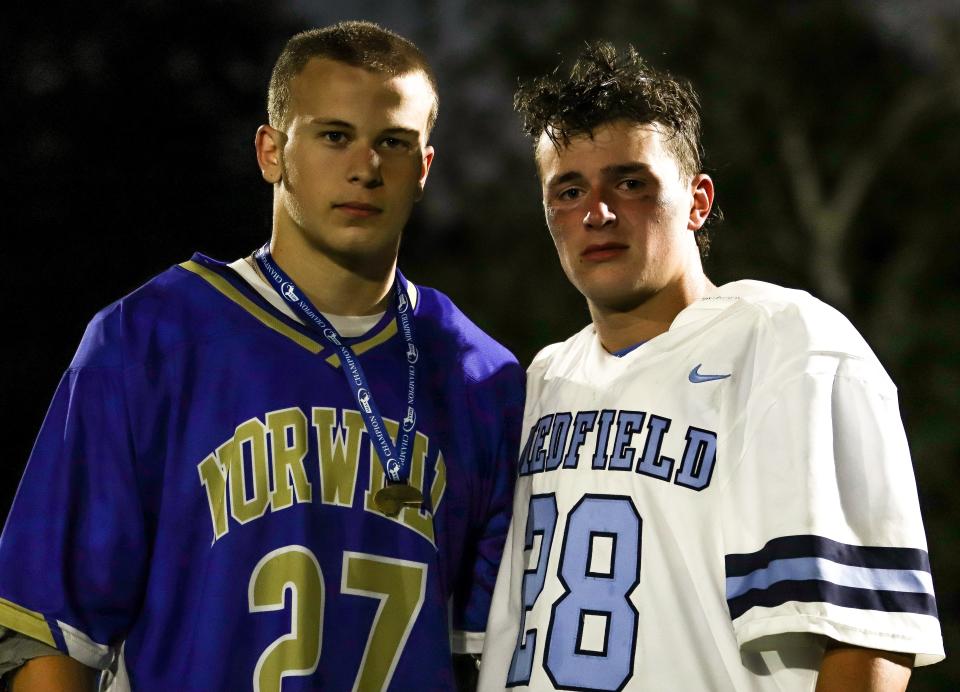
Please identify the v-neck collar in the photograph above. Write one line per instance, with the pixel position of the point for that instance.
(229, 283)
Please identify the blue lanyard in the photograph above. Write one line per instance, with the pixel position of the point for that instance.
(394, 459)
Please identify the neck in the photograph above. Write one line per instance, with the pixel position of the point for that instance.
(619, 328)
(334, 287)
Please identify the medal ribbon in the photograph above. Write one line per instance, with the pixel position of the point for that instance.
(394, 459)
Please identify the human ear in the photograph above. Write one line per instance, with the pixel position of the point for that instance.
(701, 188)
(269, 145)
(427, 159)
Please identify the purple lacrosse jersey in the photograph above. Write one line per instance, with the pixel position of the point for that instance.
(201, 494)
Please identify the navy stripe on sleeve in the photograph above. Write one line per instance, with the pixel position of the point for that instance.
(814, 569)
(825, 592)
(787, 547)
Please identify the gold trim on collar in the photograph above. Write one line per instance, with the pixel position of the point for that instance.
(367, 344)
(228, 290)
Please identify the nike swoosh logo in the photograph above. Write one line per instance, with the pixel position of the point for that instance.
(696, 377)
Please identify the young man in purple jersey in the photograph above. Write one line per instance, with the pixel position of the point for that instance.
(715, 490)
(289, 472)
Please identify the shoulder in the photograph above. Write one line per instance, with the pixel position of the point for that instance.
(792, 331)
(793, 320)
(467, 358)
(173, 306)
(563, 355)
(446, 328)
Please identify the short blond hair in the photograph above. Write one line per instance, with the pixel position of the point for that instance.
(355, 43)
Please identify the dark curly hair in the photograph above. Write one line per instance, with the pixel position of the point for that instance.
(605, 85)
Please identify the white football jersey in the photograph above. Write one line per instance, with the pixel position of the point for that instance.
(703, 512)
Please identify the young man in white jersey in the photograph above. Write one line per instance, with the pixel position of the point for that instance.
(715, 491)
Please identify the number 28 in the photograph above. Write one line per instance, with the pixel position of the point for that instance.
(592, 635)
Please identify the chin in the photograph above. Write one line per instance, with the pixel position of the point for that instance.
(616, 296)
(362, 256)
(621, 303)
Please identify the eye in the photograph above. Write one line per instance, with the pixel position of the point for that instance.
(334, 136)
(394, 143)
(569, 194)
(631, 184)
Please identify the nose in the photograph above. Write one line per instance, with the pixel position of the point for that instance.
(364, 168)
(599, 214)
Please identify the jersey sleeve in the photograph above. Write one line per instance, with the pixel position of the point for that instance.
(16, 649)
(73, 548)
(500, 412)
(821, 524)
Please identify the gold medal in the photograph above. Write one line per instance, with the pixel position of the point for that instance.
(395, 496)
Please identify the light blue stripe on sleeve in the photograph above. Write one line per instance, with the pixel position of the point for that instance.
(815, 568)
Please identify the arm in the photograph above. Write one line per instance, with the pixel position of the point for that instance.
(855, 669)
(54, 674)
(858, 515)
(90, 565)
(498, 409)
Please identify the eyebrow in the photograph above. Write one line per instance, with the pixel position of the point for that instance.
(350, 126)
(332, 123)
(613, 171)
(625, 169)
(564, 178)
(401, 131)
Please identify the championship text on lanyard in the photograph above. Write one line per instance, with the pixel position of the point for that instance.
(395, 460)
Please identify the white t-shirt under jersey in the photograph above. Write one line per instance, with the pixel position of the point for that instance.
(346, 325)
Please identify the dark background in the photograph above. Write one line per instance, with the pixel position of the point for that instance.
(831, 129)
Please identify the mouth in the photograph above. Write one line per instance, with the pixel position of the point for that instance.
(600, 252)
(358, 210)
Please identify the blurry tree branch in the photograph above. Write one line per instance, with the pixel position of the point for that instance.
(829, 211)
(830, 216)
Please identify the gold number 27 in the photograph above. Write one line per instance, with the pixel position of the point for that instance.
(399, 585)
